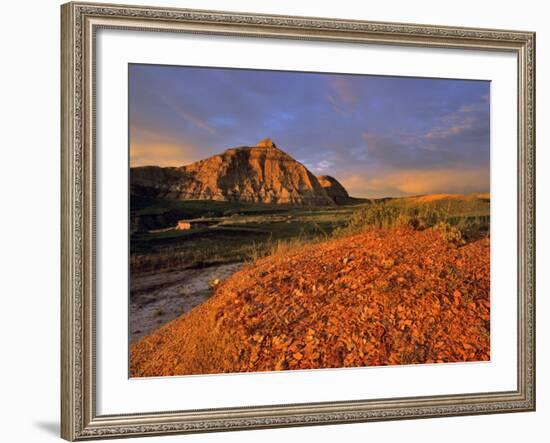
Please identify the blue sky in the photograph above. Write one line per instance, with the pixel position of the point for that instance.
(379, 136)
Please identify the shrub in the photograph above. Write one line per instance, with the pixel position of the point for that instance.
(426, 216)
(373, 216)
(386, 216)
(450, 233)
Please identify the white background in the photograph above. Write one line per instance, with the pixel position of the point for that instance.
(29, 221)
(117, 394)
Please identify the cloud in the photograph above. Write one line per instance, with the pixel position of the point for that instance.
(322, 166)
(344, 95)
(396, 152)
(187, 115)
(158, 155)
(388, 150)
(459, 138)
(344, 89)
(413, 182)
(150, 147)
(336, 106)
(468, 120)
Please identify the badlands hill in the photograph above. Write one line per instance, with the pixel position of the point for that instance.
(334, 189)
(377, 298)
(259, 174)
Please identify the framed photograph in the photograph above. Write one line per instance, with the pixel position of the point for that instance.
(282, 221)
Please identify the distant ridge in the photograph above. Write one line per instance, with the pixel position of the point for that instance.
(260, 174)
(334, 189)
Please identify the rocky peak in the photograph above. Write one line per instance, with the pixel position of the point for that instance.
(266, 143)
(260, 174)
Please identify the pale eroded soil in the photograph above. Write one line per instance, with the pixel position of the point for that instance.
(155, 299)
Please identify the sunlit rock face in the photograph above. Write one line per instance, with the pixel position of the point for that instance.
(261, 174)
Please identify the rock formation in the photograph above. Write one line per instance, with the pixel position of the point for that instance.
(260, 174)
(334, 189)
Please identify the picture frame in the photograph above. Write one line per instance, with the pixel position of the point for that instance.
(80, 24)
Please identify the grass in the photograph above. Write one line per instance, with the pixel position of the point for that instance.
(456, 228)
(453, 205)
(143, 206)
(219, 244)
(247, 231)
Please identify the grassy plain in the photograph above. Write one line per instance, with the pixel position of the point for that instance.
(229, 232)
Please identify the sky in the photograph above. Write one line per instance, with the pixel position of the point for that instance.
(378, 135)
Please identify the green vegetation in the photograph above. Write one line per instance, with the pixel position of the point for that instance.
(251, 232)
(421, 216)
(225, 232)
(200, 208)
(452, 204)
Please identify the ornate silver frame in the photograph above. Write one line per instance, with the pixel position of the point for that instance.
(80, 21)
